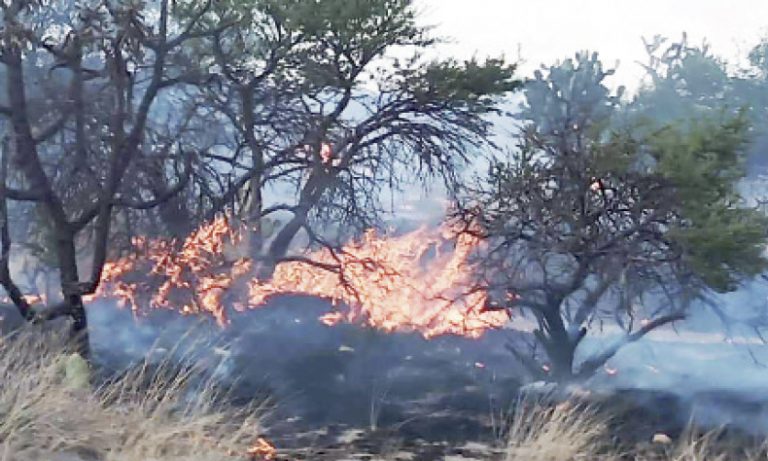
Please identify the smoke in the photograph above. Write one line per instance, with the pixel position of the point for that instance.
(317, 375)
(716, 379)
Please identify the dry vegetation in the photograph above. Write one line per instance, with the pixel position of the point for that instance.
(575, 432)
(48, 411)
(547, 433)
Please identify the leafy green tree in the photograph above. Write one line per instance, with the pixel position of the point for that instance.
(588, 223)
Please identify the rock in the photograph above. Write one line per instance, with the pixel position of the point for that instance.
(661, 438)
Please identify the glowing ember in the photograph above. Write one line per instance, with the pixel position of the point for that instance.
(421, 281)
(262, 450)
(326, 153)
(31, 299)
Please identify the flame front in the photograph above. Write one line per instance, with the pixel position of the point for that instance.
(421, 281)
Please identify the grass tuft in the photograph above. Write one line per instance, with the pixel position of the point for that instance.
(152, 412)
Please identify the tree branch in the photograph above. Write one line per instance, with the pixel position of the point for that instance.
(49, 131)
(5, 235)
(591, 365)
(162, 196)
(20, 195)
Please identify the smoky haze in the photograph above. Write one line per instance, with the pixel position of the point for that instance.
(316, 171)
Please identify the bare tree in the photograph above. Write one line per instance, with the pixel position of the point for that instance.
(82, 84)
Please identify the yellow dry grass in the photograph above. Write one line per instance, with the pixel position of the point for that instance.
(147, 414)
(564, 432)
(573, 431)
(48, 412)
(714, 446)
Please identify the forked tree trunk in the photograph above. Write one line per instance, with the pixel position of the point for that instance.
(559, 345)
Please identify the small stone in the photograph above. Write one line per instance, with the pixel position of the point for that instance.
(661, 439)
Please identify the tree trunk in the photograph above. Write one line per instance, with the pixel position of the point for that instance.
(282, 241)
(70, 279)
(562, 360)
(256, 231)
(255, 237)
(27, 160)
(559, 345)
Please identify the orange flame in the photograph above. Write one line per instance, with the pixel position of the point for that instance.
(262, 450)
(30, 299)
(421, 281)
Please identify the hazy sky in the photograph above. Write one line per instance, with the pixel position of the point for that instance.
(547, 30)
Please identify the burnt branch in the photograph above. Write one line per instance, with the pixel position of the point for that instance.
(160, 196)
(592, 364)
(21, 195)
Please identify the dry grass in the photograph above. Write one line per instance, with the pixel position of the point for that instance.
(716, 446)
(149, 413)
(564, 432)
(574, 432)
(153, 413)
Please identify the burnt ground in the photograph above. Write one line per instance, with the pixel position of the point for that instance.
(344, 390)
(338, 388)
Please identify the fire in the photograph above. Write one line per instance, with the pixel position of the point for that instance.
(421, 281)
(30, 299)
(326, 153)
(192, 278)
(262, 450)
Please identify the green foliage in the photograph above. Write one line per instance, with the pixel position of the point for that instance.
(758, 57)
(685, 81)
(367, 26)
(471, 83)
(720, 240)
(570, 96)
(689, 81)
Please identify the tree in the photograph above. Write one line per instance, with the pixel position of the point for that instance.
(685, 81)
(192, 108)
(325, 112)
(591, 221)
(81, 142)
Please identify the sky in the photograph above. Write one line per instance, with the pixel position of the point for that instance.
(544, 31)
